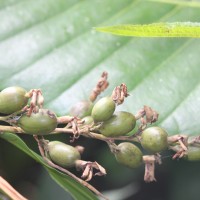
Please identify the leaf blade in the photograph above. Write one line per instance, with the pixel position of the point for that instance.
(175, 29)
(194, 4)
(78, 191)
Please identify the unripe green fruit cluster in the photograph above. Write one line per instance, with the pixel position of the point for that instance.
(119, 124)
(154, 139)
(41, 123)
(113, 124)
(193, 153)
(103, 109)
(12, 99)
(62, 154)
(82, 109)
(128, 155)
(88, 120)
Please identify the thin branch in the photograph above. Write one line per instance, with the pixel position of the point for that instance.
(9, 190)
(11, 129)
(15, 129)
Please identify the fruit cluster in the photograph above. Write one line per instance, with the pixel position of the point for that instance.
(97, 120)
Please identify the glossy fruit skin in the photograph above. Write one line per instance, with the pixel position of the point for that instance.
(82, 109)
(103, 109)
(119, 124)
(12, 99)
(154, 139)
(129, 155)
(193, 153)
(41, 123)
(62, 154)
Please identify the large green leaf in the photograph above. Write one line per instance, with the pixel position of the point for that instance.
(51, 44)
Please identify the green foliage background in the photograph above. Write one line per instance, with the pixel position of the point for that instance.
(51, 44)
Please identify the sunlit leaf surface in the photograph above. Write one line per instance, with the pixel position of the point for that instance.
(175, 29)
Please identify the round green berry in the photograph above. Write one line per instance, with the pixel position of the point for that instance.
(193, 153)
(88, 120)
(154, 139)
(62, 154)
(82, 109)
(12, 99)
(41, 123)
(128, 155)
(119, 124)
(103, 109)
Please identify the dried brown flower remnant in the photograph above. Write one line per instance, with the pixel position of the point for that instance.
(147, 116)
(179, 144)
(88, 169)
(119, 94)
(37, 100)
(149, 168)
(102, 84)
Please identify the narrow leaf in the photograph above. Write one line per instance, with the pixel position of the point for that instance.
(176, 29)
(180, 2)
(77, 190)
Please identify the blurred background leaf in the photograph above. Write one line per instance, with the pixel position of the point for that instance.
(51, 44)
(191, 3)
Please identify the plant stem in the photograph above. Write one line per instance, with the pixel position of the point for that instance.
(64, 119)
(3, 119)
(9, 190)
(15, 129)
(11, 129)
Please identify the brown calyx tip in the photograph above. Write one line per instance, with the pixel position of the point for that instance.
(179, 144)
(101, 85)
(88, 169)
(119, 94)
(37, 100)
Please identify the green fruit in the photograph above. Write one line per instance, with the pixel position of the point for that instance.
(119, 124)
(129, 155)
(41, 123)
(88, 120)
(193, 153)
(103, 109)
(82, 109)
(12, 99)
(154, 139)
(62, 154)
